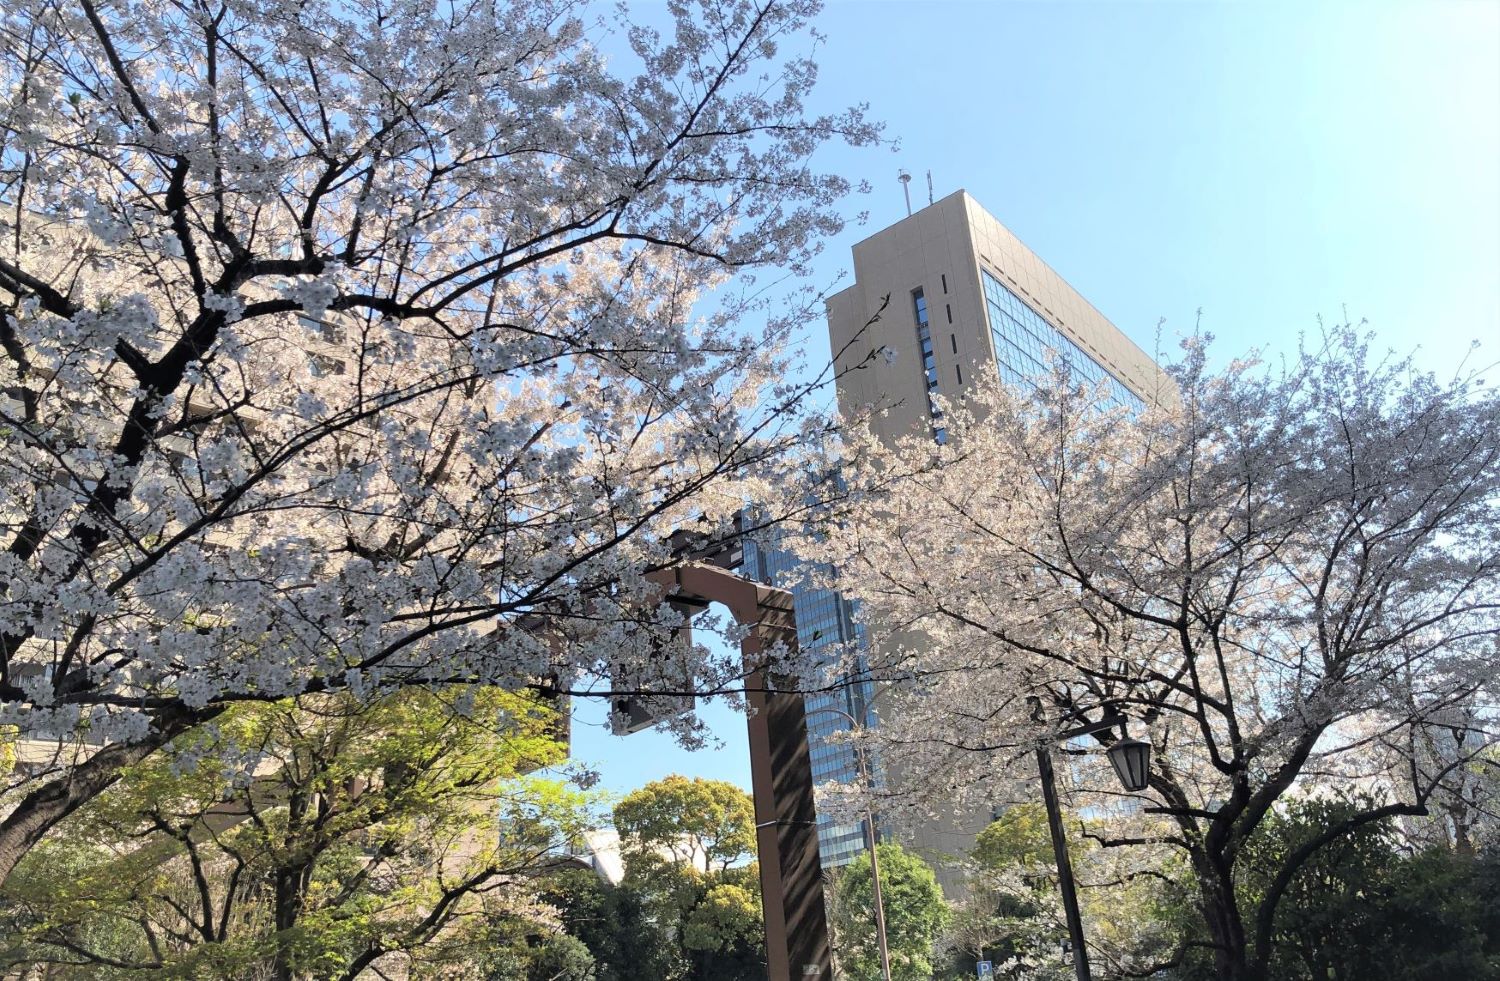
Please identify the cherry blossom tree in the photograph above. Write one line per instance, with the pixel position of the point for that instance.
(340, 337)
(1288, 576)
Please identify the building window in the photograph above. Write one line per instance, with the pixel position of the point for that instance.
(929, 362)
(329, 333)
(1024, 341)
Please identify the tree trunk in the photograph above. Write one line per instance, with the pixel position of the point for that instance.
(290, 882)
(287, 908)
(41, 810)
(1463, 840)
(1221, 913)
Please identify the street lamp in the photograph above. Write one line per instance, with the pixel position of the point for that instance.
(1131, 759)
(869, 822)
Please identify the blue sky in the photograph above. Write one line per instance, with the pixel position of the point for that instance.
(1266, 163)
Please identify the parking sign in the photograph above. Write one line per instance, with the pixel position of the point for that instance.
(985, 969)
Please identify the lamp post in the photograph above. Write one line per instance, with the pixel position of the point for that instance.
(869, 822)
(1131, 759)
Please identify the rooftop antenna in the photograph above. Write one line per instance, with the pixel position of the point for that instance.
(905, 180)
(929, 187)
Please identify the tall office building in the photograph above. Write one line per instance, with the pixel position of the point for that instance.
(966, 299)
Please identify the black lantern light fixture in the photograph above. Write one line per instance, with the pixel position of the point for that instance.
(1131, 759)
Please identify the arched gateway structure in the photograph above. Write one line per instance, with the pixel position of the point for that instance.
(791, 878)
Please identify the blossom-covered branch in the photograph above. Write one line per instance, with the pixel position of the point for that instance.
(1278, 573)
(338, 338)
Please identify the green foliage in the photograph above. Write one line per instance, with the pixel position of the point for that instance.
(694, 820)
(1011, 916)
(1018, 837)
(626, 943)
(682, 913)
(915, 913)
(561, 958)
(1365, 906)
(515, 949)
(1361, 907)
(1135, 915)
(305, 838)
(725, 917)
(8, 738)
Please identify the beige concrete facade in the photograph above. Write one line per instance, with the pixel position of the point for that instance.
(942, 251)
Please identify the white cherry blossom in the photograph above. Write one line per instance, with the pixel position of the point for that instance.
(1289, 577)
(338, 337)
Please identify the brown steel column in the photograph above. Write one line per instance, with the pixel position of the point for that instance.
(791, 877)
(787, 833)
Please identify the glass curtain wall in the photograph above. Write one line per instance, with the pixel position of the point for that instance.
(1023, 340)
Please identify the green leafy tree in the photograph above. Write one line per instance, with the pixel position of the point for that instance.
(562, 958)
(724, 931)
(307, 838)
(617, 925)
(915, 914)
(696, 821)
(518, 949)
(1135, 915)
(688, 908)
(1018, 837)
(1010, 916)
(1361, 908)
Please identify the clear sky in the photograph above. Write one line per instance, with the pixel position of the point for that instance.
(1263, 162)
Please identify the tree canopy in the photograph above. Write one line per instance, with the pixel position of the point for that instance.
(915, 913)
(695, 820)
(346, 346)
(300, 838)
(1364, 906)
(685, 910)
(1277, 571)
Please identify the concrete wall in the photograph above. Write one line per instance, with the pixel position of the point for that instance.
(941, 250)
